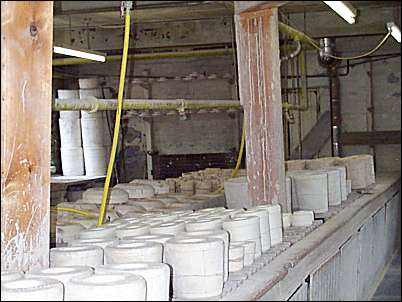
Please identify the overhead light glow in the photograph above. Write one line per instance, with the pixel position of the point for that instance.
(85, 54)
(395, 31)
(343, 9)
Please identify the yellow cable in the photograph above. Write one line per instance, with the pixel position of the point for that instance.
(239, 158)
(118, 116)
(71, 210)
(355, 57)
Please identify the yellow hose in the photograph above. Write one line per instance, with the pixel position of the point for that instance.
(118, 116)
(240, 156)
(71, 210)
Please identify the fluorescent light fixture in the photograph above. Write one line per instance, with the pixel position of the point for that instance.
(343, 9)
(395, 31)
(85, 54)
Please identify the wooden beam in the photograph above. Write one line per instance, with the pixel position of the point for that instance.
(260, 94)
(248, 6)
(26, 69)
(371, 138)
(312, 143)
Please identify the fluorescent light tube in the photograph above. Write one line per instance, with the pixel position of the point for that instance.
(85, 54)
(395, 31)
(343, 9)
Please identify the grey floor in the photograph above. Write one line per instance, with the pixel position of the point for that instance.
(390, 287)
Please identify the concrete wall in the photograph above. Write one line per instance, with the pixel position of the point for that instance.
(355, 88)
(220, 132)
(198, 133)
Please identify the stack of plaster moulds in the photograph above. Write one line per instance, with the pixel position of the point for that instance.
(135, 247)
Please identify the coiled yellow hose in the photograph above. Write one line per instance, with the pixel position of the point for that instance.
(71, 210)
(118, 117)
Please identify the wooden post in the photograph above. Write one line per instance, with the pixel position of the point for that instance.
(260, 93)
(26, 87)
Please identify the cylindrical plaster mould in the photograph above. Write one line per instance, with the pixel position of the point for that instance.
(311, 191)
(156, 275)
(62, 274)
(108, 287)
(263, 215)
(275, 222)
(218, 234)
(134, 251)
(197, 267)
(286, 220)
(67, 232)
(99, 232)
(171, 228)
(204, 224)
(236, 257)
(302, 218)
(249, 251)
(137, 191)
(132, 229)
(32, 289)
(342, 171)
(11, 276)
(244, 228)
(76, 256)
(101, 242)
(334, 187)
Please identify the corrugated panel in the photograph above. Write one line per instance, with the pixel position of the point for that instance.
(324, 283)
(379, 241)
(348, 269)
(365, 267)
(392, 224)
(301, 294)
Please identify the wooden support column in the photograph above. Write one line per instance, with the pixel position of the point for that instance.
(26, 71)
(260, 94)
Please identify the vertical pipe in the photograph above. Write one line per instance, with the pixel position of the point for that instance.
(335, 110)
(371, 106)
(299, 116)
(26, 78)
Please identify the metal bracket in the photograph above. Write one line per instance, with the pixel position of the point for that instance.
(125, 5)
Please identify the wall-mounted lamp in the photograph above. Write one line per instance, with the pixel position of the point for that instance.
(343, 9)
(395, 31)
(79, 53)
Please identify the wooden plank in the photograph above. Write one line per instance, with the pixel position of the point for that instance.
(371, 138)
(315, 139)
(26, 68)
(260, 94)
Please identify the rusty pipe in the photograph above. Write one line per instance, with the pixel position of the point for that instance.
(94, 104)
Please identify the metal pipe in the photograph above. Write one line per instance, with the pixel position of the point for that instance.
(94, 104)
(335, 111)
(292, 54)
(325, 75)
(371, 107)
(295, 34)
(150, 56)
(292, 32)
